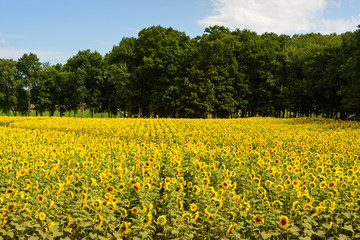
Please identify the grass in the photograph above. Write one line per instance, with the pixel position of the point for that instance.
(87, 114)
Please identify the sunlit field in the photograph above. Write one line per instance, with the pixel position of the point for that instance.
(256, 178)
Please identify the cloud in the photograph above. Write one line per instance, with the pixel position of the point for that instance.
(338, 25)
(2, 41)
(16, 53)
(279, 16)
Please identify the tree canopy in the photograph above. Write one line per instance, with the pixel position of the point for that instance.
(222, 73)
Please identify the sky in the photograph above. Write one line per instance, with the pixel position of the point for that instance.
(57, 30)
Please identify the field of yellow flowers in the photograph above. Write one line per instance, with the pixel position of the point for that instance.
(256, 178)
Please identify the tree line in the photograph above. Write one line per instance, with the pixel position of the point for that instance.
(165, 73)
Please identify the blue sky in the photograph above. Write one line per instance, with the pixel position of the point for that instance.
(57, 30)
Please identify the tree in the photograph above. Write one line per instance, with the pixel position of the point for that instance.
(217, 64)
(86, 73)
(160, 54)
(8, 83)
(49, 89)
(120, 90)
(351, 71)
(28, 70)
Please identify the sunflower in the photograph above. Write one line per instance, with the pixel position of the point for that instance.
(323, 184)
(331, 184)
(101, 221)
(11, 206)
(136, 186)
(279, 188)
(287, 182)
(149, 218)
(226, 184)
(293, 213)
(40, 198)
(196, 190)
(216, 202)
(193, 207)
(258, 219)
(93, 182)
(208, 214)
(161, 220)
(260, 191)
(42, 216)
(134, 210)
(231, 215)
(22, 172)
(312, 184)
(332, 206)
(187, 217)
(10, 191)
(294, 205)
(121, 186)
(277, 204)
(284, 222)
(307, 208)
(69, 221)
(51, 225)
(296, 184)
(257, 180)
(110, 189)
(230, 227)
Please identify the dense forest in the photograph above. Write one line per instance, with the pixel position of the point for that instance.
(165, 73)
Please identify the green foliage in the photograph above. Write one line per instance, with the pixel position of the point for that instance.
(223, 73)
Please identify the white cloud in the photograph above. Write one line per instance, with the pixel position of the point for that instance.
(16, 53)
(279, 16)
(338, 25)
(2, 41)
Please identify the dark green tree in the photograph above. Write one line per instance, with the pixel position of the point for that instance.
(28, 67)
(86, 71)
(8, 99)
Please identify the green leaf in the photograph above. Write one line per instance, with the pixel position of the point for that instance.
(294, 230)
(19, 227)
(307, 225)
(42, 234)
(93, 235)
(86, 224)
(33, 238)
(320, 233)
(304, 238)
(69, 230)
(265, 235)
(10, 234)
(67, 238)
(57, 234)
(348, 228)
(343, 237)
(117, 235)
(308, 232)
(28, 224)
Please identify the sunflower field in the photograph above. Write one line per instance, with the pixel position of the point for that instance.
(255, 178)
